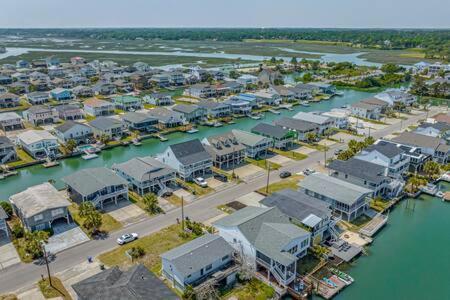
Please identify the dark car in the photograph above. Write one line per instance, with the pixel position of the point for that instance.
(285, 174)
(220, 177)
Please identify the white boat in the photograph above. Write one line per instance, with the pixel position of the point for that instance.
(136, 142)
(305, 103)
(193, 130)
(274, 111)
(218, 124)
(339, 93)
(89, 156)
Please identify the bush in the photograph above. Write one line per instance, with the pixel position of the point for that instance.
(136, 252)
(7, 207)
(18, 231)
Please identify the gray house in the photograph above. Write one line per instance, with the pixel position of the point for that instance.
(167, 118)
(7, 150)
(191, 113)
(282, 138)
(255, 145)
(4, 231)
(190, 159)
(40, 207)
(215, 109)
(225, 150)
(142, 122)
(146, 175)
(80, 133)
(97, 185)
(197, 261)
(300, 128)
(137, 283)
(110, 127)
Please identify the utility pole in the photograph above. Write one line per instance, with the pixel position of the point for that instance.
(46, 263)
(182, 213)
(325, 156)
(268, 177)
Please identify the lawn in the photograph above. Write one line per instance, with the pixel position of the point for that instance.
(263, 163)
(174, 200)
(287, 183)
(57, 289)
(290, 154)
(314, 146)
(154, 245)
(194, 188)
(372, 121)
(379, 204)
(24, 158)
(109, 224)
(251, 290)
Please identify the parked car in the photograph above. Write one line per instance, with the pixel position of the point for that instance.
(220, 177)
(308, 172)
(285, 174)
(127, 238)
(201, 182)
(338, 151)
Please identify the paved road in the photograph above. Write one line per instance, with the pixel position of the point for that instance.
(24, 275)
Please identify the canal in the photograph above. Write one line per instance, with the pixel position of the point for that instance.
(37, 174)
(410, 257)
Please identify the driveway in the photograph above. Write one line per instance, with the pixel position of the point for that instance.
(8, 255)
(251, 199)
(248, 172)
(126, 213)
(280, 159)
(65, 236)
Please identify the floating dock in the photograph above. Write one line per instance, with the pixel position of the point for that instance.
(374, 225)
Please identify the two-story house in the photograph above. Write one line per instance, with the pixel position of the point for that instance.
(146, 175)
(39, 207)
(36, 98)
(282, 138)
(127, 103)
(323, 123)
(61, 94)
(225, 150)
(190, 159)
(191, 112)
(167, 118)
(140, 121)
(100, 186)
(7, 150)
(38, 143)
(70, 130)
(436, 147)
(215, 109)
(256, 146)
(159, 99)
(107, 126)
(69, 112)
(300, 128)
(40, 115)
(10, 121)
(8, 100)
(97, 107)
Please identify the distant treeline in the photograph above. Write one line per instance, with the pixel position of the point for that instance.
(433, 40)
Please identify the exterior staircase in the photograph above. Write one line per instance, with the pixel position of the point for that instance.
(7, 157)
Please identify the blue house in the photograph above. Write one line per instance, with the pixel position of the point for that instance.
(252, 99)
(61, 94)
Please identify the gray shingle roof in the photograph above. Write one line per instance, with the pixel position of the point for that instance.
(360, 169)
(248, 138)
(441, 126)
(185, 108)
(89, 181)
(104, 123)
(418, 140)
(113, 284)
(68, 125)
(5, 142)
(143, 168)
(295, 124)
(387, 149)
(138, 117)
(190, 152)
(270, 130)
(197, 254)
(333, 188)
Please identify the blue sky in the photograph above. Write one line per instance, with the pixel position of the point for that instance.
(225, 13)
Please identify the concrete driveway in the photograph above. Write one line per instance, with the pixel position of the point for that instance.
(251, 199)
(280, 159)
(126, 213)
(65, 236)
(248, 172)
(8, 255)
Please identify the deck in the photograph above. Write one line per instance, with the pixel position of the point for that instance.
(374, 225)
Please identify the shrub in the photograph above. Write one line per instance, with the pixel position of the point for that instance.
(7, 207)
(18, 231)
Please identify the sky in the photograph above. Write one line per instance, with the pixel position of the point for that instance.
(225, 13)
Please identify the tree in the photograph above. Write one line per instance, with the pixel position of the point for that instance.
(71, 145)
(151, 203)
(7, 207)
(33, 243)
(273, 60)
(92, 217)
(369, 141)
(104, 138)
(345, 155)
(136, 252)
(390, 68)
(311, 137)
(189, 293)
(234, 74)
(414, 182)
(432, 169)
(307, 77)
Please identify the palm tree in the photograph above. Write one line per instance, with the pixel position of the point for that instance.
(151, 203)
(33, 242)
(432, 169)
(71, 145)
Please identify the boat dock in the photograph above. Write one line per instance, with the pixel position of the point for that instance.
(328, 282)
(374, 225)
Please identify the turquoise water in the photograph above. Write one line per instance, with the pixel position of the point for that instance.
(37, 174)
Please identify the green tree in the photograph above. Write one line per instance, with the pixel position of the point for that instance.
(307, 77)
(189, 293)
(369, 141)
(151, 203)
(136, 252)
(414, 182)
(104, 138)
(33, 243)
(311, 137)
(92, 218)
(390, 68)
(234, 74)
(7, 207)
(345, 155)
(71, 145)
(432, 169)
(273, 60)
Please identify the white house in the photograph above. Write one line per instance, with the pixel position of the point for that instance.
(396, 96)
(70, 130)
(339, 117)
(38, 143)
(323, 122)
(247, 79)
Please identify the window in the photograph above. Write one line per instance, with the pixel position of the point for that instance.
(39, 217)
(225, 257)
(208, 267)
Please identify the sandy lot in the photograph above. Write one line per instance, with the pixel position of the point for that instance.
(280, 159)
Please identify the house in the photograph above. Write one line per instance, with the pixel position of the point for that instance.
(61, 94)
(4, 79)
(8, 100)
(387, 155)
(88, 71)
(201, 90)
(159, 99)
(176, 78)
(282, 138)
(190, 159)
(268, 76)
(304, 210)
(7, 150)
(69, 112)
(142, 122)
(82, 91)
(300, 128)
(283, 92)
(438, 129)
(225, 150)
(22, 64)
(123, 86)
(127, 103)
(238, 106)
(396, 96)
(3, 89)
(433, 146)
(38, 97)
(217, 75)
(366, 110)
(377, 103)
(10, 121)
(266, 97)
(137, 283)
(324, 88)
(77, 60)
(167, 118)
(38, 143)
(228, 87)
(70, 130)
(191, 112)
(303, 91)
(347, 200)
(366, 174)
(40, 115)
(266, 240)
(96, 107)
(107, 126)
(146, 175)
(41, 207)
(215, 109)
(442, 117)
(52, 61)
(104, 89)
(161, 80)
(339, 117)
(256, 145)
(199, 260)
(100, 186)
(4, 231)
(252, 99)
(247, 79)
(323, 123)
(20, 87)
